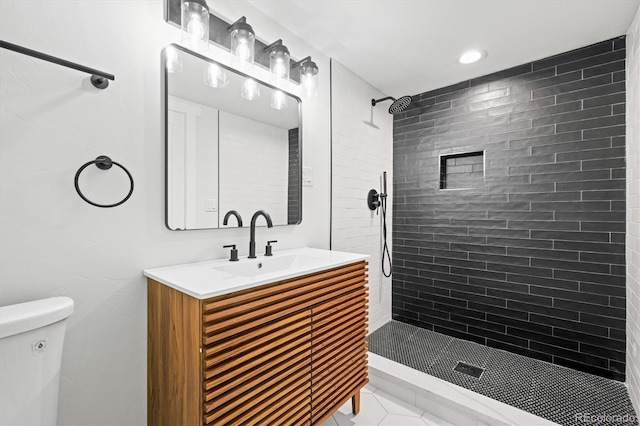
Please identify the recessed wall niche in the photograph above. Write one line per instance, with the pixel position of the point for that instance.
(462, 171)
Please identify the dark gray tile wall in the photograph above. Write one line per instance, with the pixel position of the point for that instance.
(533, 260)
(293, 190)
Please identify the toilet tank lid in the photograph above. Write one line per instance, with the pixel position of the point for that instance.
(23, 317)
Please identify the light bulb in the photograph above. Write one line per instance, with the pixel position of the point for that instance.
(242, 44)
(195, 25)
(250, 90)
(309, 79)
(196, 31)
(214, 76)
(279, 69)
(279, 64)
(278, 100)
(242, 50)
(174, 59)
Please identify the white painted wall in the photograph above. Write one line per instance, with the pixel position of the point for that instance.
(53, 243)
(633, 211)
(254, 169)
(360, 153)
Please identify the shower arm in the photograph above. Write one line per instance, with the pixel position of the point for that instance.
(375, 101)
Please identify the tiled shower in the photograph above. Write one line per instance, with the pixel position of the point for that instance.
(509, 210)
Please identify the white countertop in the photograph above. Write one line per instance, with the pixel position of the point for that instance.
(203, 280)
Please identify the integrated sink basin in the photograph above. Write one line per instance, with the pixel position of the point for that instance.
(213, 278)
(266, 265)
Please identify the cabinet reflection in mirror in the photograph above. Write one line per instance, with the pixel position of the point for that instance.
(232, 143)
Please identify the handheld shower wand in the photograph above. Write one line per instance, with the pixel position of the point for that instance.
(385, 248)
(375, 201)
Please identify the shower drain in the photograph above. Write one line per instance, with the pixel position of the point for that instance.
(468, 369)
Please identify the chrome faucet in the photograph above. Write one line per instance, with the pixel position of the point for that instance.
(232, 213)
(252, 241)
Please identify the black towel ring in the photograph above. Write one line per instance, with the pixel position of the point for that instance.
(103, 163)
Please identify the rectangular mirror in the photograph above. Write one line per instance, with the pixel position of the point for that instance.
(232, 143)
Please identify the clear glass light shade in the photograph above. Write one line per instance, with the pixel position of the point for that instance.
(309, 79)
(250, 90)
(279, 59)
(195, 25)
(214, 76)
(278, 100)
(243, 47)
(174, 59)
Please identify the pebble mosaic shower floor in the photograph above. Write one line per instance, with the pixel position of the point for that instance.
(556, 393)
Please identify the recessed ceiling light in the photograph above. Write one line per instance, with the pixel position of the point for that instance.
(471, 56)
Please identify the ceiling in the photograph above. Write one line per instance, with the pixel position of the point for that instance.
(406, 47)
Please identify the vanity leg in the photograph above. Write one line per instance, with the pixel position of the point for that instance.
(355, 403)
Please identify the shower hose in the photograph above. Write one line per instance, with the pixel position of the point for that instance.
(385, 247)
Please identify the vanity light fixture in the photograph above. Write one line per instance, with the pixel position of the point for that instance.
(240, 39)
(471, 56)
(250, 90)
(308, 76)
(214, 76)
(243, 40)
(195, 25)
(278, 100)
(279, 58)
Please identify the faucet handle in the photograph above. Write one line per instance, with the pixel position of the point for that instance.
(268, 250)
(234, 252)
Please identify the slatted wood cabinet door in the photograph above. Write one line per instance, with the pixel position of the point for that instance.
(286, 353)
(339, 350)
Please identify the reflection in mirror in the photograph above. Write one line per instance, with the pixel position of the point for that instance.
(232, 143)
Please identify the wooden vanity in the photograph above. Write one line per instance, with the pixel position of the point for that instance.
(288, 352)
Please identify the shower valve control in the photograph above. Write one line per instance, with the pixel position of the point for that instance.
(373, 200)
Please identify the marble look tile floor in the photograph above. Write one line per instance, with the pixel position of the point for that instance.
(380, 408)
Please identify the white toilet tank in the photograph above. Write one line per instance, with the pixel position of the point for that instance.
(31, 339)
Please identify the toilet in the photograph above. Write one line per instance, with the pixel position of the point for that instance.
(31, 340)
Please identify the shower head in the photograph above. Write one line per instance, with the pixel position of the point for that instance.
(397, 106)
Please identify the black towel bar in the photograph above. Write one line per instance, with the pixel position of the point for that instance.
(98, 78)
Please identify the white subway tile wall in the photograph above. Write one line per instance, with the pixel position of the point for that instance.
(264, 150)
(361, 150)
(633, 211)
